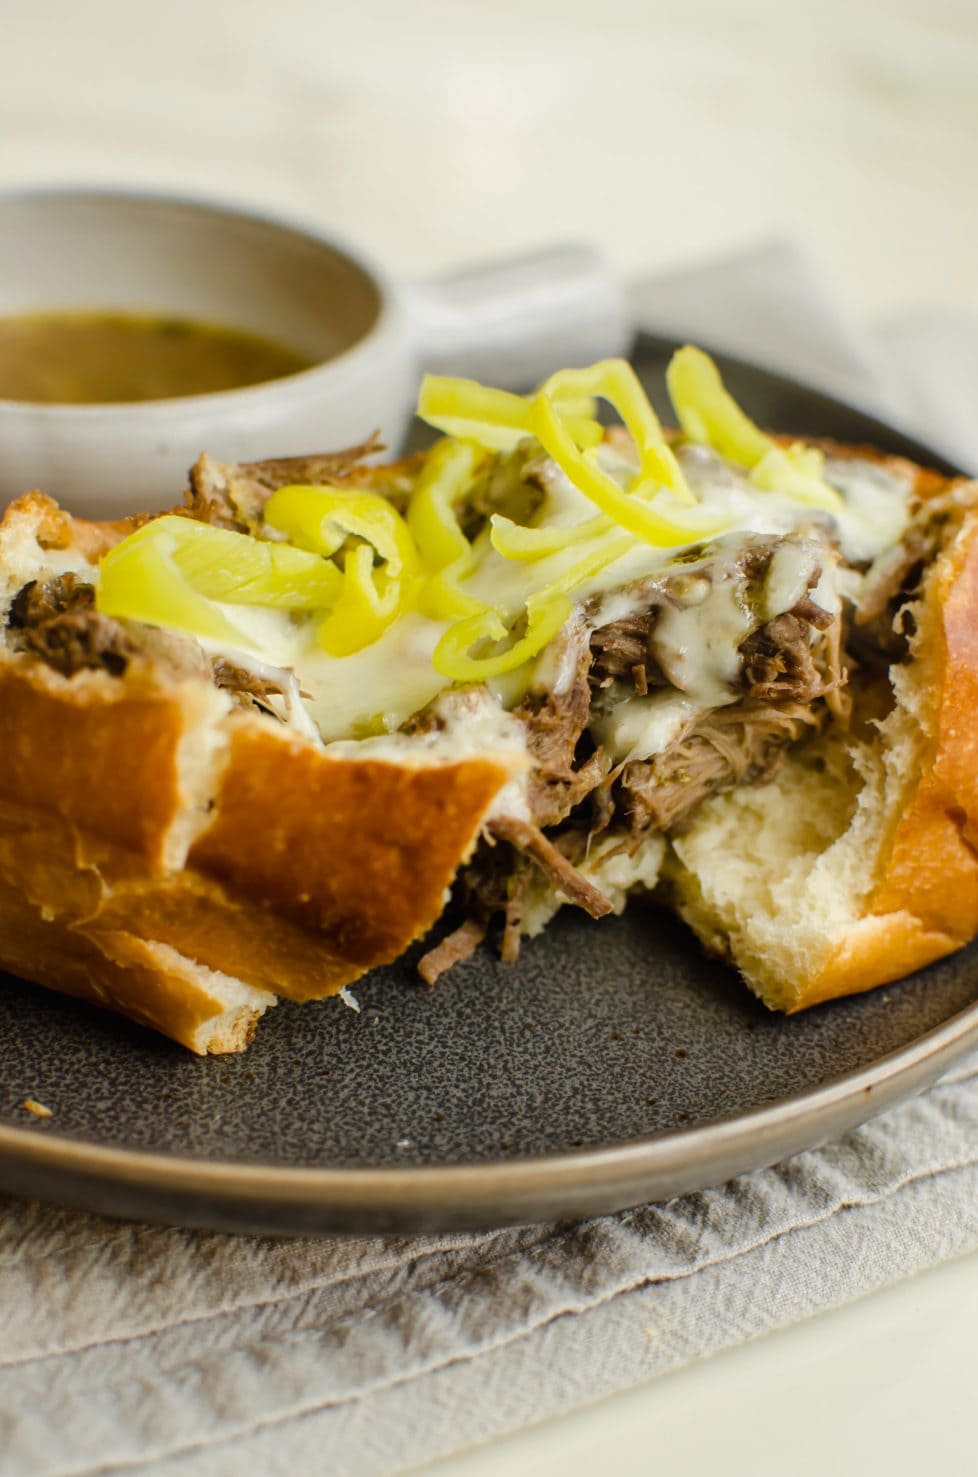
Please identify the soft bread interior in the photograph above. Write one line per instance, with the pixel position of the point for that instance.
(781, 878)
(772, 875)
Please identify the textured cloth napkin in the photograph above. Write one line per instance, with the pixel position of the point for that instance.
(128, 1348)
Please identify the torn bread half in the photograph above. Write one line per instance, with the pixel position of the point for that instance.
(179, 856)
(858, 863)
(251, 745)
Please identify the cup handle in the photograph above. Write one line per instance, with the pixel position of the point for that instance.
(513, 322)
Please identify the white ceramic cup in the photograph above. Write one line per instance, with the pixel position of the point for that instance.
(508, 323)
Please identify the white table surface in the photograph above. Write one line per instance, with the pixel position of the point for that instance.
(449, 130)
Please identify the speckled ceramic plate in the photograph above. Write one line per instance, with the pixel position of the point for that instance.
(613, 1064)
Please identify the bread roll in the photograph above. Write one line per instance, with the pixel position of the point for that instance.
(534, 670)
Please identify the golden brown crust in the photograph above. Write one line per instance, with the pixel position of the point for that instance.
(139, 978)
(312, 868)
(388, 837)
(925, 902)
(55, 528)
(310, 875)
(102, 889)
(119, 779)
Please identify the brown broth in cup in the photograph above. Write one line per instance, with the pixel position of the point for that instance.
(99, 358)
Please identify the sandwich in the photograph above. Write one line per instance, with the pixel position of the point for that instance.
(259, 745)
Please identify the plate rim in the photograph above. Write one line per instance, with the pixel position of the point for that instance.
(479, 1195)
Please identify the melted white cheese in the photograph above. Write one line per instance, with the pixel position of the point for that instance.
(789, 577)
(641, 726)
(377, 689)
(469, 721)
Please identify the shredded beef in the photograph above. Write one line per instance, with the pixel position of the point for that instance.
(790, 678)
(232, 495)
(460, 944)
(881, 628)
(242, 683)
(779, 661)
(36, 602)
(81, 639)
(509, 946)
(626, 649)
(790, 683)
(555, 719)
(56, 620)
(621, 647)
(566, 878)
(742, 744)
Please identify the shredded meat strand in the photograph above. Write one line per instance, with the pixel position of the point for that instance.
(460, 945)
(555, 720)
(242, 683)
(780, 661)
(232, 495)
(566, 878)
(743, 744)
(620, 647)
(80, 640)
(37, 602)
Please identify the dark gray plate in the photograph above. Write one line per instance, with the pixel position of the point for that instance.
(613, 1064)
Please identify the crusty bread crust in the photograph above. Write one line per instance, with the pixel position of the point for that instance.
(921, 901)
(925, 904)
(371, 872)
(188, 895)
(150, 982)
(164, 856)
(102, 754)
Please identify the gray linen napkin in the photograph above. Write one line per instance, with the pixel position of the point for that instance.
(128, 1347)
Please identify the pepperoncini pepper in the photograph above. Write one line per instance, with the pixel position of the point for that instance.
(323, 519)
(172, 570)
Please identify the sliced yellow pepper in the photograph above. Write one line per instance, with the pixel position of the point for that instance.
(495, 419)
(516, 541)
(169, 571)
(248, 571)
(440, 597)
(445, 479)
(796, 472)
(322, 518)
(710, 416)
(452, 658)
(141, 580)
(616, 381)
(369, 600)
(368, 603)
(633, 512)
(707, 412)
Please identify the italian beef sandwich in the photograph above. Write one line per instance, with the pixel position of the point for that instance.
(252, 747)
